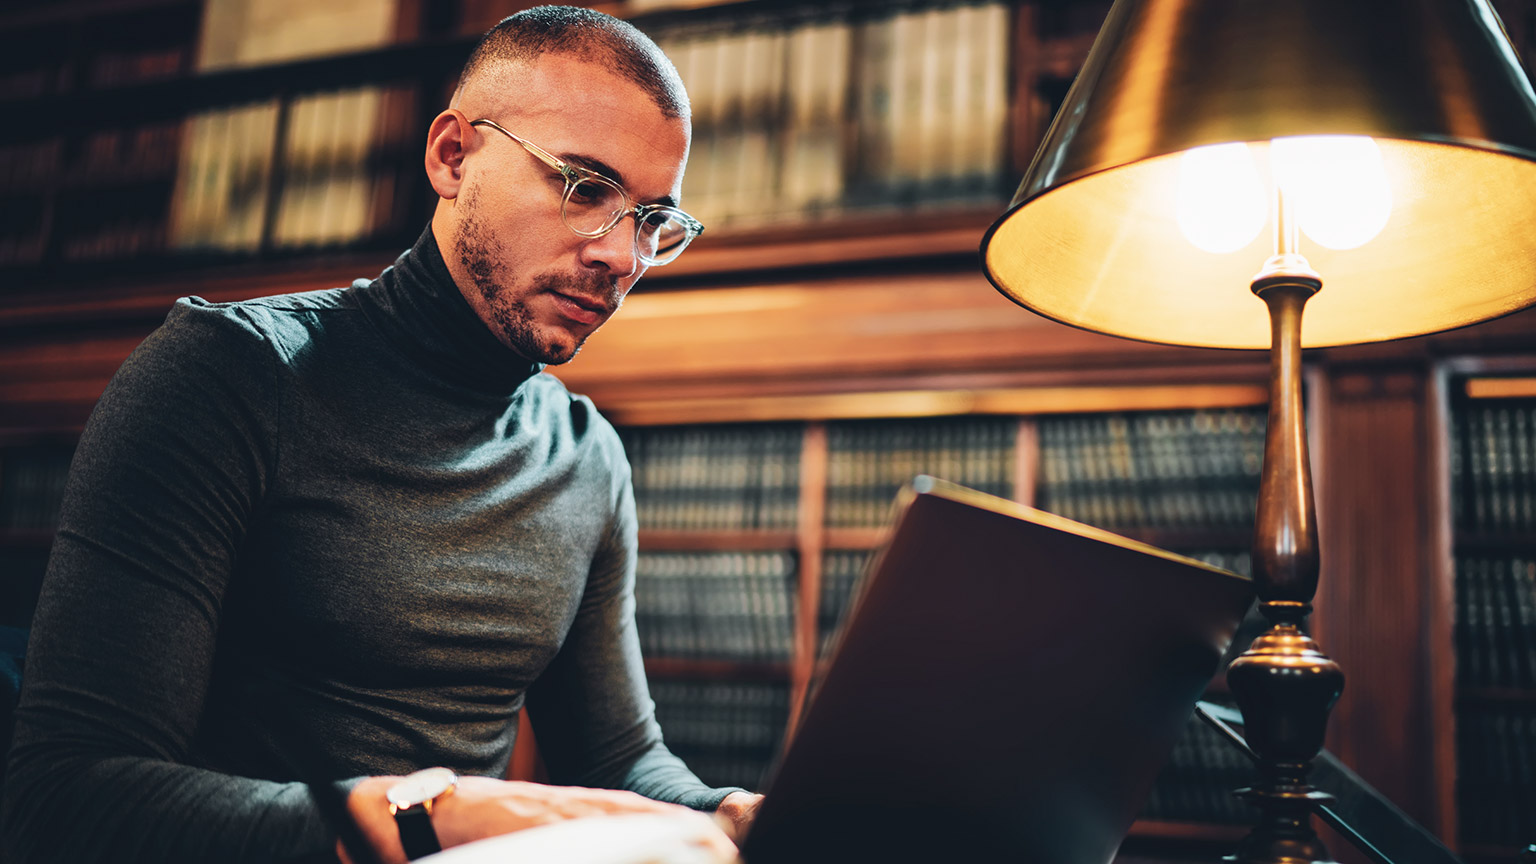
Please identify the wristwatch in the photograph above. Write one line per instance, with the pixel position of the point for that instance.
(411, 801)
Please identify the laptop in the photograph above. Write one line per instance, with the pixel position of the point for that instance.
(1005, 687)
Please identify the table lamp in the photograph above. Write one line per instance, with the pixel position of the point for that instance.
(1220, 164)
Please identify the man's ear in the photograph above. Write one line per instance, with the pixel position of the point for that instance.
(446, 142)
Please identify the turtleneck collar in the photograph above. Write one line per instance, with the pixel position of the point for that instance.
(416, 303)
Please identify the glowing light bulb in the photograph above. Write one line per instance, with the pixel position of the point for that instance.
(1338, 184)
(1222, 202)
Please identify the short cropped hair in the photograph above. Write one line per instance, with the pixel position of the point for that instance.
(588, 35)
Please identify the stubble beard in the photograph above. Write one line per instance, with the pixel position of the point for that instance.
(482, 255)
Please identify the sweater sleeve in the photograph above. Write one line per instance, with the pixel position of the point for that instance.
(167, 476)
(591, 709)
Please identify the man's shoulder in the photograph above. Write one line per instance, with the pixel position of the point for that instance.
(282, 321)
(272, 308)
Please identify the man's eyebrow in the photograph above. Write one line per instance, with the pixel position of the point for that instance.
(600, 167)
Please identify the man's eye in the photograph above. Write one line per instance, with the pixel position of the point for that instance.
(588, 192)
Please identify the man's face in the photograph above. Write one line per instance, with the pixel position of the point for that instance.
(543, 289)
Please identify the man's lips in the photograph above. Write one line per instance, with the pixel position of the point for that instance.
(576, 307)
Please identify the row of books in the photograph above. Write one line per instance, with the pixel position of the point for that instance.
(716, 477)
(126, 155)
(729, 733)
(335, 186)
(93, 191)
(97, 194)
(1496, 774)
(112, 46)
(1493, 466)
(21, 239)
(32, 486)
(840, 572)
(797, 114)
(1154, 469)
(819, 110)
(1496, 621)
(117, 68)
(868, 461)
(27, 83)
(30, 165)
(716, 605)
(109, 231)
(1197, 783)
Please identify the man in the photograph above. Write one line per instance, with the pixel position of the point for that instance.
(337, 537)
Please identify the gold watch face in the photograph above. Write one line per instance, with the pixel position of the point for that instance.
(421, 787)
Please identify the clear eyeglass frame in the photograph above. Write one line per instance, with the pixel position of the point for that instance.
(662, 232)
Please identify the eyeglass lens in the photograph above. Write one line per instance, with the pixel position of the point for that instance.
(592, 207)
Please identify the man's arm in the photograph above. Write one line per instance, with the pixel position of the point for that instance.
(485, 807)
(592, 709)
(167, 476)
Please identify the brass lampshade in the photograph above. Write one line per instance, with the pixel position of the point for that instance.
(1091, 237)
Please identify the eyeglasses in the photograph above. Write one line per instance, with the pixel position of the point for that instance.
(593, 205)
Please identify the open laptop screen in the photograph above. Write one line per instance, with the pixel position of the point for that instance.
(1008, 684)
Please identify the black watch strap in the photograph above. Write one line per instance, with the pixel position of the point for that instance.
(416, 835)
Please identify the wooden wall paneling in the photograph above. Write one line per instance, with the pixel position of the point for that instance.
(1373, 472)
(888, 404)
(744, 252)
(1026, 461)
(799, 335)
(55, 378)
(1441, 612)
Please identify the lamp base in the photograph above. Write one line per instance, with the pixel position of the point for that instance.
(1285, 687)
(1283, 841)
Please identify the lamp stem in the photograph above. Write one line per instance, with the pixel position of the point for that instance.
(1284, 685)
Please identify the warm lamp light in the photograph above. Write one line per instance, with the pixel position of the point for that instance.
(1222, 201)
(1339, 186)
(1202, 141)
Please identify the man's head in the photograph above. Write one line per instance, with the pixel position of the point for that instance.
(592, 92)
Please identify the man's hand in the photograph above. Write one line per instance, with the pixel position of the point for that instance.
(735, 814)
(485, 807)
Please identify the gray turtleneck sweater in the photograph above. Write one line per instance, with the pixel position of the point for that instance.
(316, 537)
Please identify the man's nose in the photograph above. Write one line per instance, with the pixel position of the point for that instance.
(615, 250)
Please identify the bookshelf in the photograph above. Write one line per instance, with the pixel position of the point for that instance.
(85, 190)
(738, 596)
(1492, 479)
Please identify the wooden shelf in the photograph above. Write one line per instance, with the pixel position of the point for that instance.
(1501, 388)
(843, 243)
(712, 541)
(855, 538)
(714, 670)
(756, 541)
(890, 404)
(837, 241)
